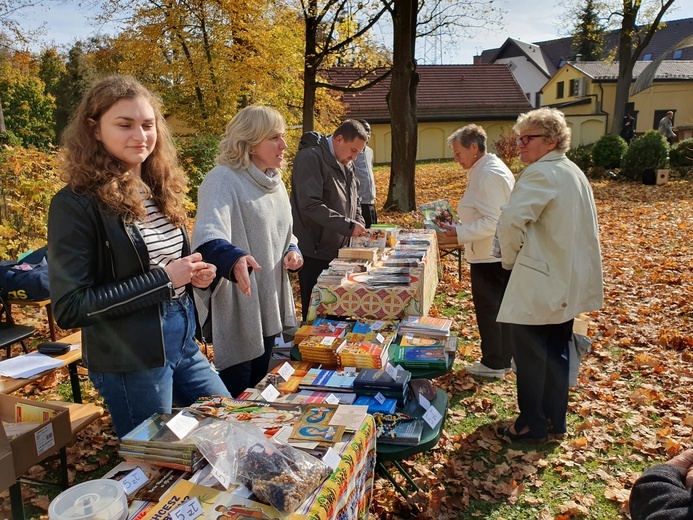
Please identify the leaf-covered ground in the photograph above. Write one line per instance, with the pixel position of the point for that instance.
(631, 409)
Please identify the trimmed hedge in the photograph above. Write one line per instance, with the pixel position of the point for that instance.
(608, 151)
(651, 150)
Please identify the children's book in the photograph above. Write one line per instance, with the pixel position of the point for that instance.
(437, 212)
(212, 502)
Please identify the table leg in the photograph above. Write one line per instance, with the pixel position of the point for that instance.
(74, 382)
(51, 323)
(405, 473)
(16, 501)
(380, 468)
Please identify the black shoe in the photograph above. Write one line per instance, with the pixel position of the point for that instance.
(505, 433)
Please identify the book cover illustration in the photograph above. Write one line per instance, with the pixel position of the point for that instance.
(407, 433)
(269, 417)
(373, 238)
(411, 339)
(314, 425)
(328, 380)
(215, 504)
(437, 212)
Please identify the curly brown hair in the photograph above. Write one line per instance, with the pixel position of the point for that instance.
(88, 168)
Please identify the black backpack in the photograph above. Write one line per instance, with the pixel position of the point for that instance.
(26, 279)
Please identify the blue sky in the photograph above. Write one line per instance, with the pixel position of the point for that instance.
(528, 20)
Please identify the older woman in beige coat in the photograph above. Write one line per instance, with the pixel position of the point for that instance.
(549, 237)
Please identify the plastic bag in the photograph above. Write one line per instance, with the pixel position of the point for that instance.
(278, 474)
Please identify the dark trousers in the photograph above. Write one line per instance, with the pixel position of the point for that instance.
(307, 278)
(249, 373)
(488, 285)
(369, 214)
(542, 359)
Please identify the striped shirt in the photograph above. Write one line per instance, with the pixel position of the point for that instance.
(164, 241)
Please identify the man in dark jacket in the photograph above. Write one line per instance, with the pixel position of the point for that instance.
(324, 199)
(665, 491)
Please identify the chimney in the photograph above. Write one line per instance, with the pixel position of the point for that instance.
(476, 60)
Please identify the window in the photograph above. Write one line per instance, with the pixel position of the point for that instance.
(678, 54)
(575, 89)
(647, 57)
(560, 87)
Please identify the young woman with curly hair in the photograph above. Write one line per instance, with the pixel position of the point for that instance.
(120, 261)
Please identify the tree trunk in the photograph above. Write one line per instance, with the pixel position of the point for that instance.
(401, 102)
(310, 69)
(2, 120)
(625, 68)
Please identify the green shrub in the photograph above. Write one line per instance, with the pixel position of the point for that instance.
(681, 154)
(581, 156)
(197, 155)
(608, 151)
(648, 151)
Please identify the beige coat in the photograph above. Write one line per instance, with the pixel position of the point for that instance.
(549, 237)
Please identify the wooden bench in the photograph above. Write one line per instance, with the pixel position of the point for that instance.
(70, 360)
(37, 303)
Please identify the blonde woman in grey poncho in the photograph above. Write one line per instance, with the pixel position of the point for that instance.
(244, 227)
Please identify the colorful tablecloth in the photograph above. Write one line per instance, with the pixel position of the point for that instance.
(356, 298)
(346, 494)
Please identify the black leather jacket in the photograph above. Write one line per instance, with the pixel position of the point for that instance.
(101, 281)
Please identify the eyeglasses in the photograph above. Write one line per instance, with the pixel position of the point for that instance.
(525, 139)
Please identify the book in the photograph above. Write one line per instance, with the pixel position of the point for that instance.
(374, 237)
(349, 416)
(269, 417)
(328, 380)
(420, 357)
(387, 406)
(415, 339)
(153, 433)
(426, 325)
(314, 425)
(196, 463)
(285, 386)
(363, 253)
(214, 504)
(437, 212)
(406, 433)
(372, 379)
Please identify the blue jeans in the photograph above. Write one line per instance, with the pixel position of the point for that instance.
(132, 397)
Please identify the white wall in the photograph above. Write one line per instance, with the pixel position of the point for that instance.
(527, 76)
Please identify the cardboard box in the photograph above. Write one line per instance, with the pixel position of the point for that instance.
(31, 447)
(662, 176)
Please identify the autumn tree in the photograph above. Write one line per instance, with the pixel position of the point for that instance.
(208, 58)
(410, 19)
(78, 77)
(638, 22)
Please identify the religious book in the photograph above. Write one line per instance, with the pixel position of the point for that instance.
(374, 237)
(437, 212)
(363, 253)
(380, 380)
(153, 433)
(328, 380)
(420, 357)
(406, 433)
(415, 339)
(285, 386)
(314, 425)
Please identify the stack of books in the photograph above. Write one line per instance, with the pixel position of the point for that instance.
(425, 325)
(364, 351)
(321, 349)
(323, 327)
(332, 277)
(405, 433)
(363, 253)
(370, 382)
(374, 237)
(285, 386)
(419, 351)
(154, 443)
(323, 380)
(374, 406)
(356, 265)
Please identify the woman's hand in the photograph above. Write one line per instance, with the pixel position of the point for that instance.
(181, 271)
(241, 274)
(205, 276)
(292, 261)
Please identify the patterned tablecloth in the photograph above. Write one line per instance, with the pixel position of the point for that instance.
(356, 298)
(346, 494)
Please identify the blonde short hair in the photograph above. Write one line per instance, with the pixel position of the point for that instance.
(549, 122)
(248, 128)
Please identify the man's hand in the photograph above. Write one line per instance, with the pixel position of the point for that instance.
(292, 261)
(358, 231)
(240, 272)
(181, 271)
(684, 463)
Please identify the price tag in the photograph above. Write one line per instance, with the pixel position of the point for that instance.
(432, 417)
(409, 336)
(270, 393)
(286, 371)
(391, 371)
(133, 480)
(331, 399)
(222, 477)
(188, 510)
(425, 403)
(400, 368)
(331, 458)
(331, 327)
(377, 325)
(380, 338)
(44, 438)
(380, 398)
(349, 370)
(182, 424)
(327, 340)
